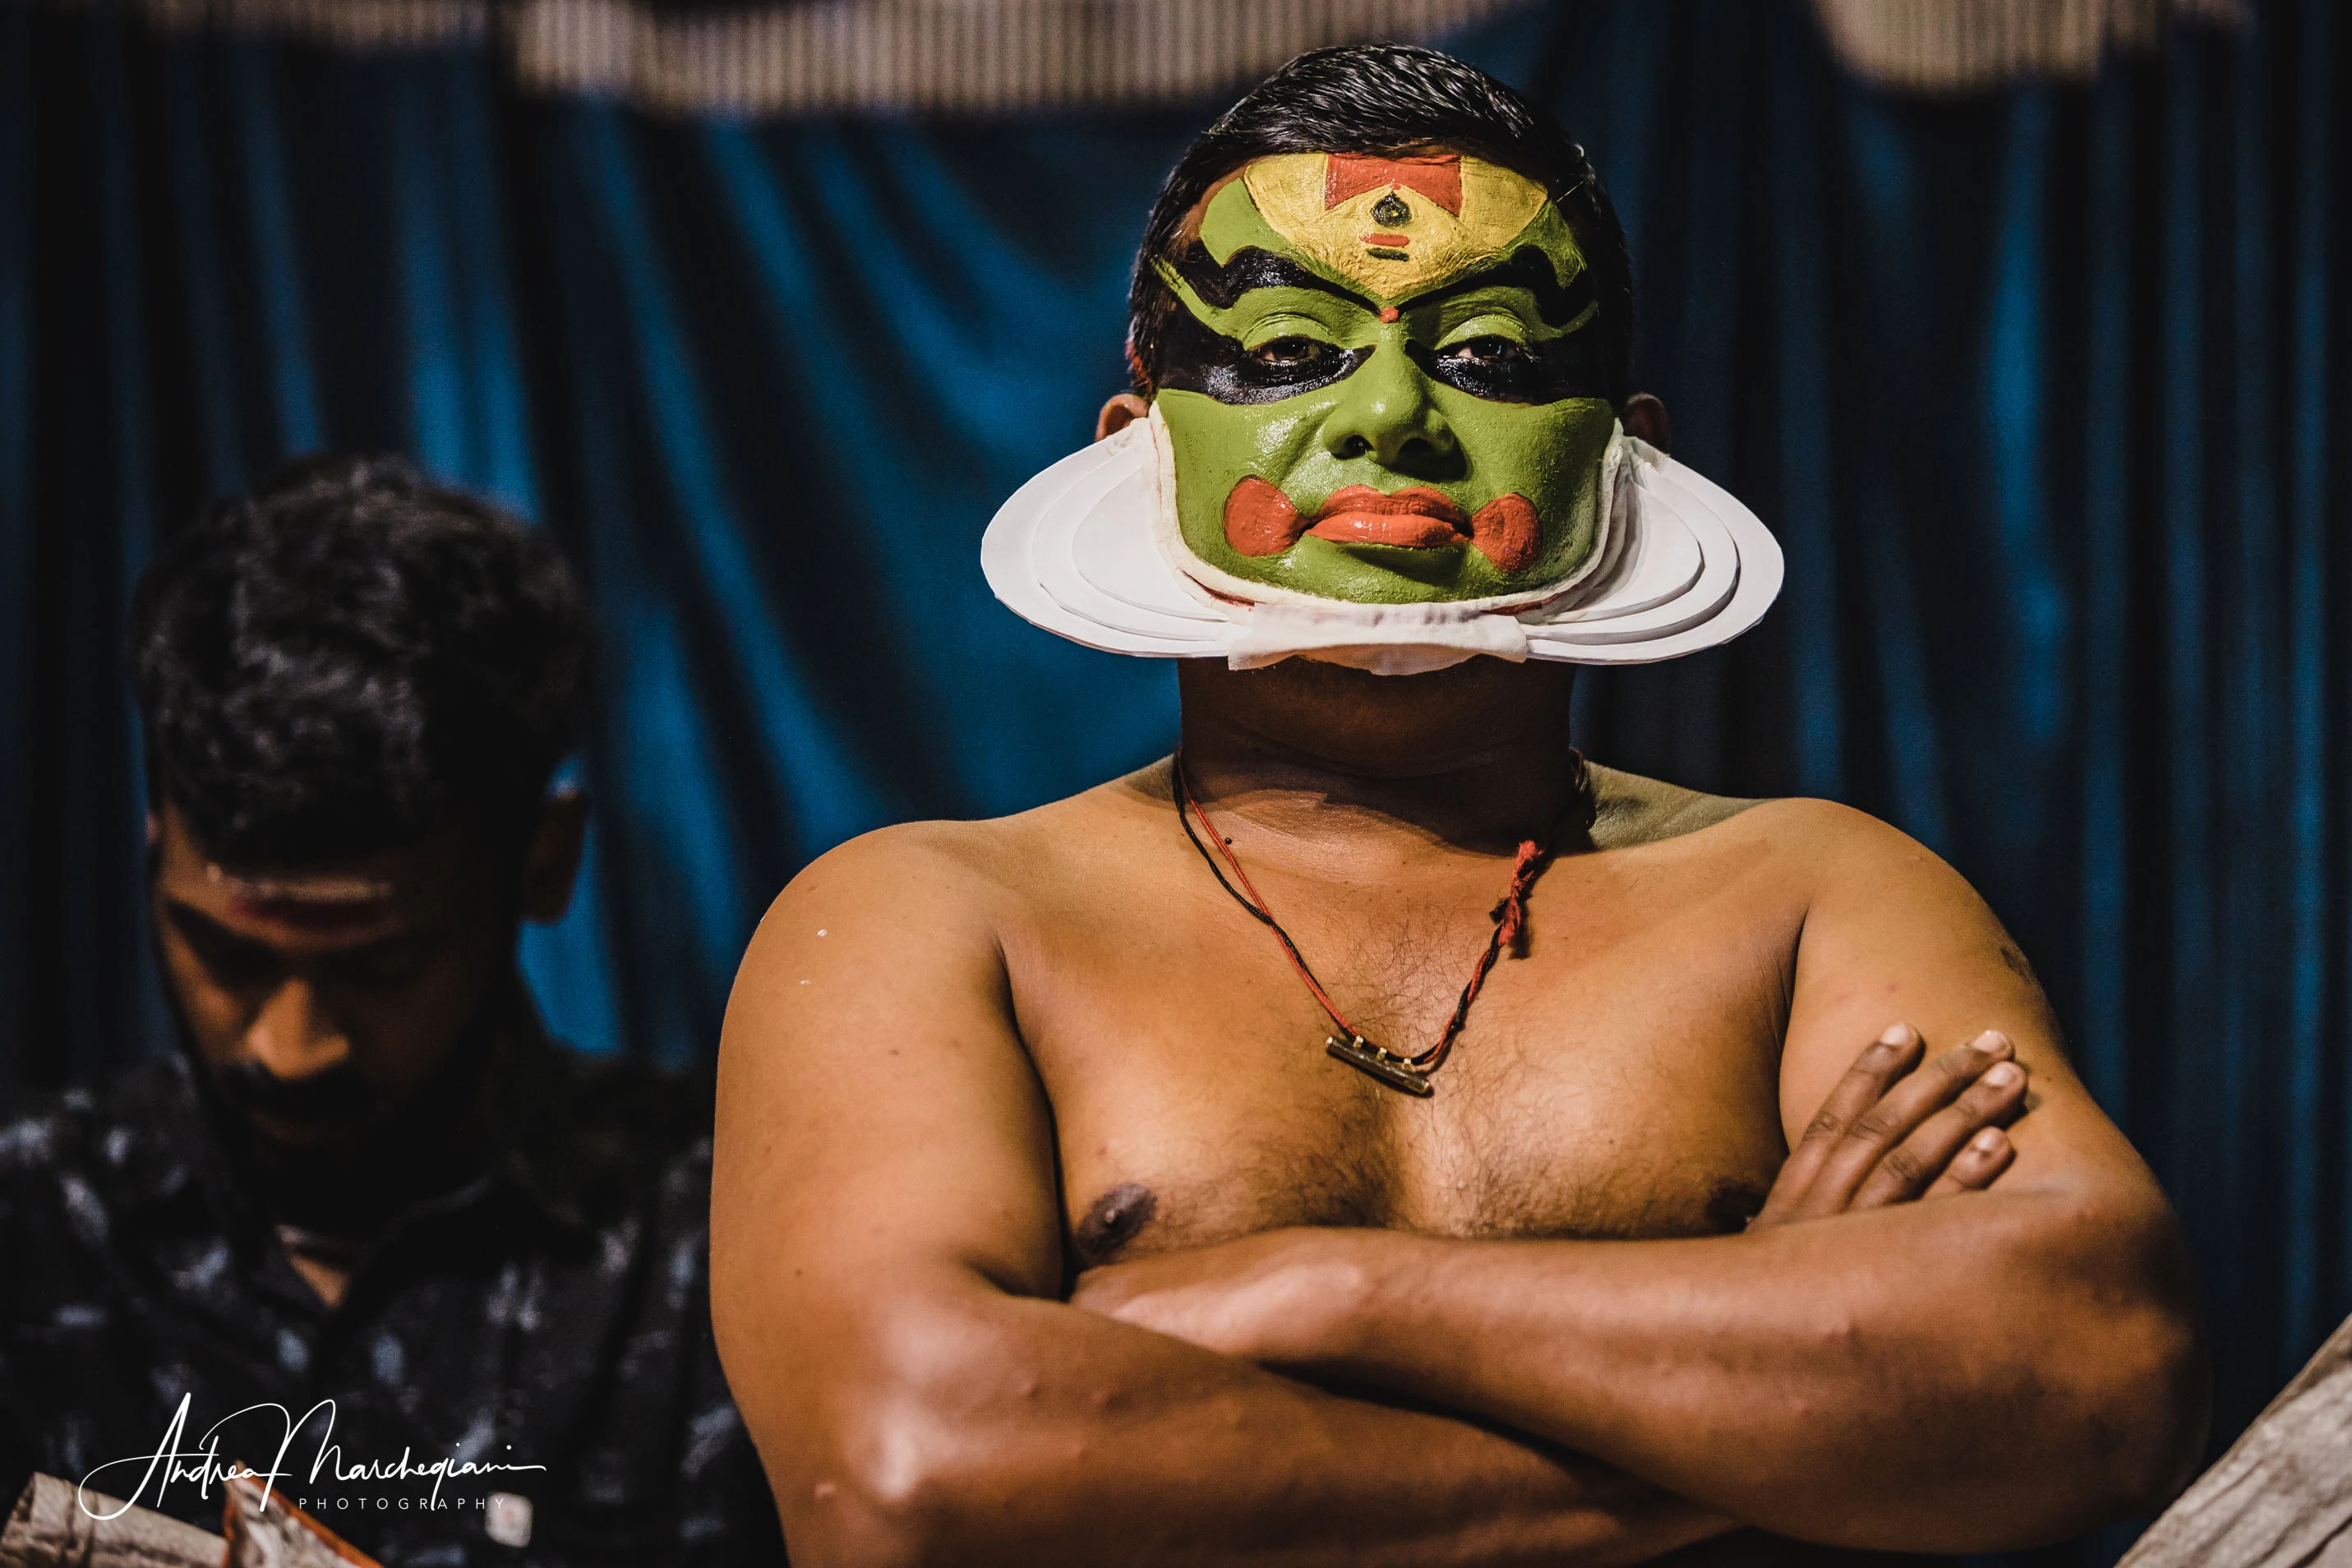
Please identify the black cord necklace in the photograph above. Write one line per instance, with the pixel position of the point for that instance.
(1410, 1074)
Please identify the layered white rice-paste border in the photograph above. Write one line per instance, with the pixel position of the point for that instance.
(1090, 549)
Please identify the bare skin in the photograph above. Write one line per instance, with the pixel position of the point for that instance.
(326, 1000)
(971, 1066)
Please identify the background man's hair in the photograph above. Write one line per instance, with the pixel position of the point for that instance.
(1384, 100)
(339, 662)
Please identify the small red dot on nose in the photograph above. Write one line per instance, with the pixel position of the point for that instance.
(1388, 312)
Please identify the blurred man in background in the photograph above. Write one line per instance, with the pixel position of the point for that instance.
(367, 1225)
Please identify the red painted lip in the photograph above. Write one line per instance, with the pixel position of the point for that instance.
(1417, 518)
(1260, 520)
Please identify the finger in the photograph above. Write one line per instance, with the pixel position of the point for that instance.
(1895, 1117)
(1989, 1153)
(1885, 1060)
(1888, 1058)
(1908, 1169)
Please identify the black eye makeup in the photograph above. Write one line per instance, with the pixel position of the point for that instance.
(1195, 357)
(1292, 355)
(1503, 371)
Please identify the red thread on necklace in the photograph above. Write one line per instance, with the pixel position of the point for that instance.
(1510, 916)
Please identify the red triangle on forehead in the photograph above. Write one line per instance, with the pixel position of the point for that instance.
(1437, 175)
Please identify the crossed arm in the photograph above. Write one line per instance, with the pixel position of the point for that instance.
(1980, 1369)
(885, 1283)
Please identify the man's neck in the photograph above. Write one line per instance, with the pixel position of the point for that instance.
(1475, 757)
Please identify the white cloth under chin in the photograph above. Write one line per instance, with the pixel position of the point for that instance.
(1387, 639)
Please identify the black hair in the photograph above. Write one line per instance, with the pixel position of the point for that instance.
(1386, 99)
(346, 658)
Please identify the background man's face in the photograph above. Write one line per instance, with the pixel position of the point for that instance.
(1379, 394)
(325, 998)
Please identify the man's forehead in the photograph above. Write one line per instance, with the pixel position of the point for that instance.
(337, 898)
(1388, 227)
(322, 903)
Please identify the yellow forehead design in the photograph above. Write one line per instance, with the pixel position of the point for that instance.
(1394, 226)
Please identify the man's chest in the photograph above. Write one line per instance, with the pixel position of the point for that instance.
(1620, 1078)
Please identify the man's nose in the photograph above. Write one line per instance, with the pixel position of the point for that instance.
(1385, 411)
(294, 1035)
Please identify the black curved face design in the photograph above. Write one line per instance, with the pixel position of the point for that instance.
(1195, 357)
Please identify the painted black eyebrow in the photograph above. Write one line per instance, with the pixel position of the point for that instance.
(1251, 267)
(1527, 268)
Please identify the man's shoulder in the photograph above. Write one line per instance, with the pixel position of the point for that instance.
(40, 1128)
(1632, 810)
(945, 862)
(92, 1147)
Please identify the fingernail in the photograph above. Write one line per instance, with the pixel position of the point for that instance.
(2004, 1075)
(1987, 1141)
(1898, 1035)
(1992, 1043)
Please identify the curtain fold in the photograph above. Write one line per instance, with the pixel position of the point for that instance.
(2045, 392)
(1958, 46)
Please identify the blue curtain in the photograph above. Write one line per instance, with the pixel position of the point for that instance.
(2044, 391)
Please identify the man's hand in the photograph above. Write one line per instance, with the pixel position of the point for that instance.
(1888, 1133)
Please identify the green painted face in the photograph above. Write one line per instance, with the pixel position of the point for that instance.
(1380, 387)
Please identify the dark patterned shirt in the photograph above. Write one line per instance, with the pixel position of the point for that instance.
(551, 1313)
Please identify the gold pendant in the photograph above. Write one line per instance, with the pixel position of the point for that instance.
(1397, 1072)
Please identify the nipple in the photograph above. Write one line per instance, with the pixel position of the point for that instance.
(1114, 1220)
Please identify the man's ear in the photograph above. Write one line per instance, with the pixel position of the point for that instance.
(551, 865)
(1645, 417)
(1120, 413)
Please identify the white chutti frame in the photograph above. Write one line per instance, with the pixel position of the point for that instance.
(1088, 550)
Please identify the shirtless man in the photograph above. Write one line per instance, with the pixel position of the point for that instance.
(1047, 1228)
